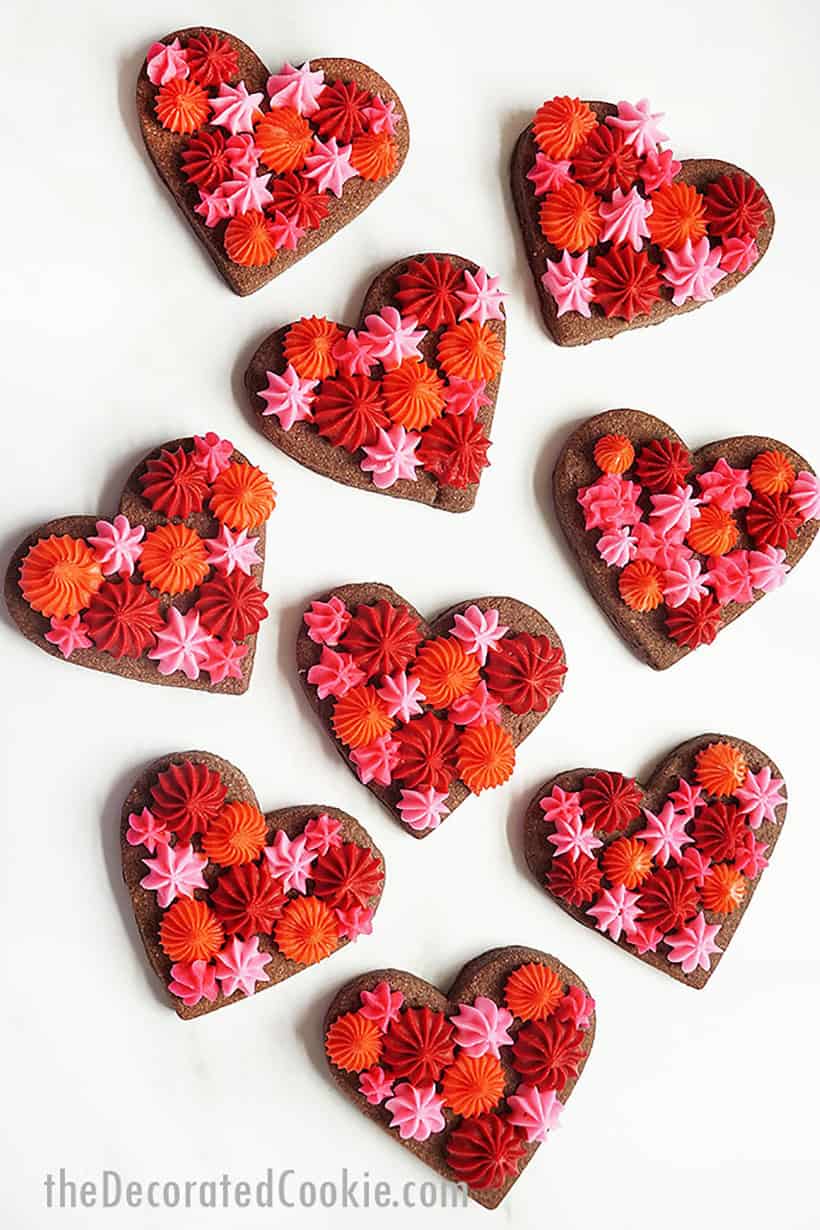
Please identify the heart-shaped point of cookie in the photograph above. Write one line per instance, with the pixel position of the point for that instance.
(618, 233)
(401, 404)
(470, 1080)
(667, 869)
(265, 167)
(674, 544)
(230, 901)
(169, 591)
(427, 713)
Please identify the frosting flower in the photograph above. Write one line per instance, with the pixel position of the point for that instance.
(694, 865)
(548, 174)
(617, 547)
(750, 856)
(181, 645)
(645, 938)
(240, 965)
(374, 1086)
(768, 568)
(68, 634)
(288, 396)
(393, 338)
(229, 551)
(145, 830)
(354, 922)
(354, 354)
(683, 582)
(234, 108)
(674, 509)
(665, 834)
(805, 495)
(290, 861)
(693, 271)
(296, 87)
(335, 674)
(423, 809)
(575, 1008)
(760, 796)
(624, 218)
(639, 126)
(401, 695)
(476, 708)
(569, 283)
(479, 631)
(482, 1028)
(464, 396)
(561, 806)
(693, 945)
(117, 545)
(659, 168)
(482, 299)
(610, 503)
(616, 912)
(330, 165)
(571, 837)
(381, 1005)
(327, 622)
(535, 1111)
(376, 761)
(416, 1111)
(223, 658)
(59, 576)
(192, 981)
(165, 61)
(392, 457)
(687, 798)
(381, 116)
(175, 872)
(730, 578)
(739, 254)
(284, 231)
(322, 834)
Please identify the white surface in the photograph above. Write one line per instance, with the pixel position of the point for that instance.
(697, 1108)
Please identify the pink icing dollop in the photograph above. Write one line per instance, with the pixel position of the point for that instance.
(479, 631)
(402, 695)
(354, 354)
(240, 965)
(175, 872)
(639, 126)
(192, 981)
(686, 798)
(684, 581)
(481, 297)
(354, 922)
(290, 861)
(376, 761)
(68, 634)
(392, 338)
(624, 218)
(245, 192)
(181, 645)
(476, 708)
(693, 945)
(645, 937)
(288, 396)
(421, 810)
(296, 87)
(674, 510)
(665, 833)
(330, 165)
(750, 856)
(392, 457)
(145, 830)
(694, 865)
(610, 503)
(575, 1008)
(374, 1086)
(381, 1005)
(658, 169)
(616, 912)
(760, 796)
(117, 545)
(569, 284)
(334, 674)
(730, 577)
(693, 271)
(381, 116)
(327, 621)
(561, 806)
(242, 153)
(768, 568)
(725, 487)
(229, 551)
(234, 108)
(535, 1111)
(617, 547)
(416, 1111)
(739, 254)
(213, 454)
(166, 62)
(548, 174)
(481, 1028)
(805, 494)
(223, 659)
(464, 396)
(285, 232)
(322, 833)
(573, 838)
(665, 550)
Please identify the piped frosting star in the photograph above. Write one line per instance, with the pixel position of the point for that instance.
(231, 550)
(234, 108)
(296, 87)
(639, 126)
(760, 796)
(481, 297)
(665, 833)
(330, 166)
(693, 945)
(289, 397)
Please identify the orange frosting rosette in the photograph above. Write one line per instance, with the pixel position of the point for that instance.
(353, 1042)
(359, 717)
(59, 576)
(309, 347)
(470, 351)
(445, 671)
(627, 861)
(486, 757)
(182, 105)
(190, 931)
(248, 240)
(720, 768)
(374, 155)
(723, 889)
(614, 454)
(678, 213)
(771, 473)
(714, 532)
(307, 931)
(641, 585)
(237, 835)
(533, 992)
(413, 394)
(174, 559)
(242, 496)
(561, 125)
(284, 138)
(569, 217)
(473, 1086)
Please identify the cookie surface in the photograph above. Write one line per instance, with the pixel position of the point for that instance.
(607, 212)
(676, 544)
(228, 900)
(507, 1044)
(667, 869)
(265, 167)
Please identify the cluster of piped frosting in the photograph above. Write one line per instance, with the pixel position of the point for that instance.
(264, 166)
(687, 545)
(180, 592)
(419, 715)
(664, 882)
(627, 232)
(234, 892)
(403, 393)
(492, 1077)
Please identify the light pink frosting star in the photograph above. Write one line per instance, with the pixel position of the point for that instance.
(768, 568)
(117, 545)
(327, 622)
(760, 796)
(213, 454)
(145, 830)
(730, 577)
(181, 645)
(223, 659)
(476, 708)
(334, 674)
(290, 861)
(402, 695)
(479, 631)
(245, 192)
(569, 284)
(665, 833)
(464, 396)
(571, 837)
(322, 833)
(285, 231)
(354, 354)
(166, 62)
(687, 798)
(233, 107)
(392, 457)
(481, 1028)
(547, 174)
(616, 912)
(805, 494)
(416, 1111)
(536, 1111)
(288, 396)
(423, 809)
(481, 297)
(240, 965)
(330, 165)
(213, 207)
(693, 945)
(381, 1005)
(739, 254)
(624, 218)
(381, 116)
(374, 1086)
(610, 503)
(665, 550)
(229, 551)
(561, 806)
(617, 547)
(683, 581)
(392, 337)
(639, 126)
(296, 87)
(354, 922)
(68, 633)
(693, 271)
(674, 510)
(376, 761)
(175, 872)
(725, 487)
(192, 981)
(659, 168)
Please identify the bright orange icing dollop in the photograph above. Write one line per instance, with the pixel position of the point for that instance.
(190, 931)
(248, 240)
(486, 757)
(678, 214)
(307, 932)
(309, 347)
(237, 835)
(569, 217)
(445, 671)
(182, 105)
(359, 717)
(561, 125)
(614, 454)
(470, 351)
(720, 768)
(374, 155)
(353, 1042)
(473, 1086)
(771, 473)
(714, 532)
(174, 559)
(723, 889)
(59, 576)
(413, 394)
(641, 585)
(627, 861)
(242, 496)
(533, 991)
(284, 138)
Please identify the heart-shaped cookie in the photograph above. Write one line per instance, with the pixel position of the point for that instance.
(473, 1080)
(618, 233)
(666, 870)
(675, 544)
(265, 167)
(169, 591)
(427, 713)
(403, 404)
(229, 901)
